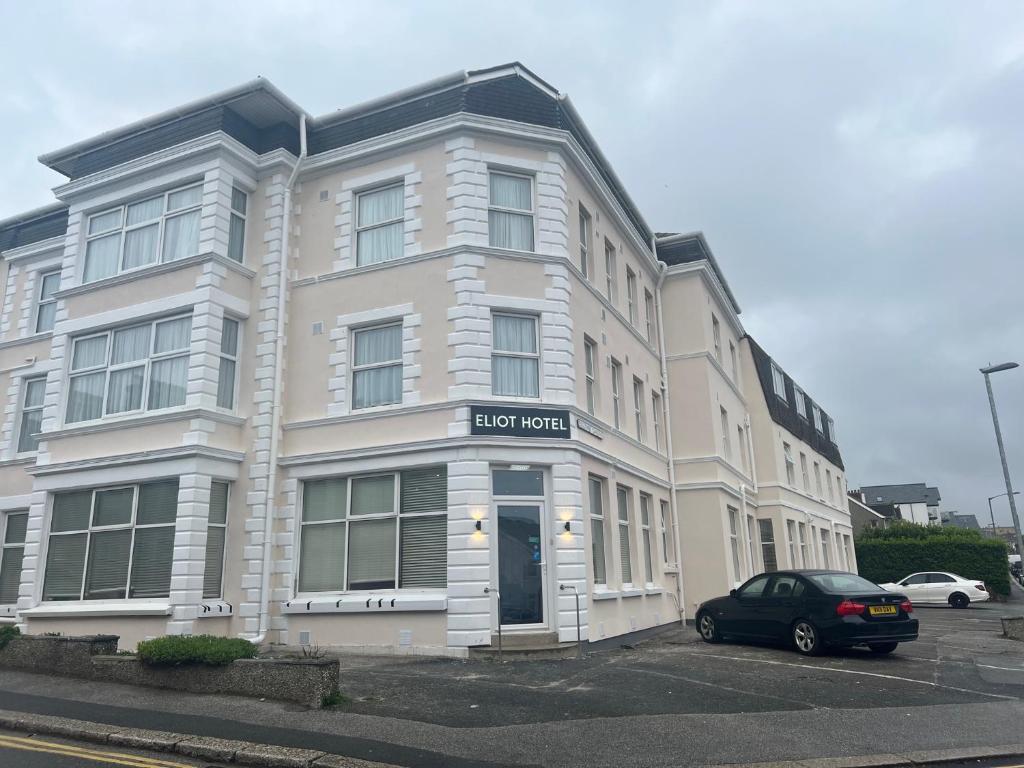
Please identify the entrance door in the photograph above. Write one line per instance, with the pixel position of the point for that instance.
(520, 564)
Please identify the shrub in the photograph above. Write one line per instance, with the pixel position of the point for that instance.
(194, 649)
(890, 554)
(7, 633)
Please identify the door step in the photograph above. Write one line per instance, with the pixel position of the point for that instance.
(523, 647)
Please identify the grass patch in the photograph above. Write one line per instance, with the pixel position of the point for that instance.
(334, 700)
(175, 650)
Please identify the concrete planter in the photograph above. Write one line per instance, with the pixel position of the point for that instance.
(305, 681)
(1013, 627)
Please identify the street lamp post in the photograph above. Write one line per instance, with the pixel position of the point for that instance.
(1002, 451)
(992, 514)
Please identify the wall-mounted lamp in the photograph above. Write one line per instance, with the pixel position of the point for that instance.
(479, 525)
(568, 527)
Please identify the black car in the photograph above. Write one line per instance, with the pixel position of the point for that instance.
(811, 610)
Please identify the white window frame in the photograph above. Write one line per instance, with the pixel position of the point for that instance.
(590, 364)
(359, 229)
(227, 356)
(107, 368)
(596, 488)
(832, 431)
(224, 549)
(825, 561)
(741, 446)
(733, 364)
(624, 516)
(495, 352)
(649, 315)
(802, 533)
(801, 401)
(791, 542)
(235, 214)
(767, 545)
(586, 227)
(716, 337)
(517, 211)
(733, 515)
(358, 368)
(631, 296)
(667, 532)
(123, 228)
(656, 418)
(616, 393)
(787, 453)
(611, 272)
(817, 480)
(828, 484)
(6, 546)
(638, 409)
(26, 384)
(804, 472)
(646, 502)
(816, 411)
(43, 302)
(726, 437)
(779, 383)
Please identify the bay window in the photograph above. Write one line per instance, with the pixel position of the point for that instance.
(112, 543)
(31, 414)
(216, 530)
(12, 549)
(236, 227)
(590, 359)
(375, 532)
(380, 224)
(46, 303)
(510, 211)
(515, 361)
(377, 366)
(159, 229)
(228, 364)
(137, 368)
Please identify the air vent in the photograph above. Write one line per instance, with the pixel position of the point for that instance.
(304, 637)
(405, 637)
(318, 328)
(324, 195)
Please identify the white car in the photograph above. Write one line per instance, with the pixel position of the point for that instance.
(940, 588)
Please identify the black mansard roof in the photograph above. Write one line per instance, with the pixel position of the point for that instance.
(262, 118)
(34, 226)
(785, 414)
(675, 248)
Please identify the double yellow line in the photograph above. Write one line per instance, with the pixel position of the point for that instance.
(94, 755)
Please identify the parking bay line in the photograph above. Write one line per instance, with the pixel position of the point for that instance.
(800, 704)
(866, 674)
(67, 750)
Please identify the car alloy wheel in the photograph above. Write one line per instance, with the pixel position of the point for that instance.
(707, 627)
(959, 600)
(805, 638)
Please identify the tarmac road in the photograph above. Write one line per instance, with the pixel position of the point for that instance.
(19, 750)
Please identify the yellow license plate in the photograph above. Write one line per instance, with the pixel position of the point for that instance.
(883, 610)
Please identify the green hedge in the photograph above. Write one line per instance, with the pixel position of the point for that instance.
(7, 633)
(887, 555)
(194, 649)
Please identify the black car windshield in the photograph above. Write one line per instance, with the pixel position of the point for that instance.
(841, 583)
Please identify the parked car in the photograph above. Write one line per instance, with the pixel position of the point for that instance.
(811, 610)
(941, 588)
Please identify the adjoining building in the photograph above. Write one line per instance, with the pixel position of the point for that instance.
(913, 502)
(385, 380)
(862, 516)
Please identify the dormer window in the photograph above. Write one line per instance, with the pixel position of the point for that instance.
(779, 382)
(158, 229)
(801, 401)
(817, 418)
(832, 432)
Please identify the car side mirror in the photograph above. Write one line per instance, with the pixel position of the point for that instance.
(732, 593)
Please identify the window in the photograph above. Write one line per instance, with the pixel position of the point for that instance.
(824, 550)
(828, 485)
(625, 557)
(917, 578)
(649, 314)
(786, 586)
(840, 554)
(31, 414)
(518, 482)
(791, 542)
(236, 227)
(590, 357)
(380, 224)
(768, 557)
(849, 552)
(801, 401)
(726, 442)
(645, 532)
(802, 529)
(656, 418)
(638, 408)
(817, 479)
(46, 304)
(377, 366)
(375, 532)
(228, 364)
(732, 362)
(754, 589)
(616, 391)
(631, 296)
(213, 574)
(741, 446)
(803, 472)
(611, 276)
(510, 215)
(840, 494)
(832, 432)
(779, 382)
(716, 333)
(596, 486)
(668, 551)
(817, 417)
(137, 368)
(750, 544)
(13, 526)
(112, 543)
(515, 364)
(787, 452)
(162, 228)
(734, 541)
(585, 266)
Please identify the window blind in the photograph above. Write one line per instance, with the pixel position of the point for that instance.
(424, 551)
(17, 524)
(373, 495)
(218, 502)
(71, 511)
(424, 490)
(64, 565)
(113, 507)
(324, 499)
(10, 574)
(322, 564)
(158, 502)
(213, 572)
(371, 553)
(108, 565)
(151, 562)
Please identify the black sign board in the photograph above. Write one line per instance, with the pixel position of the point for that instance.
(511, 421)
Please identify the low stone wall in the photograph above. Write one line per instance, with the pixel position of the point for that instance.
(1013, 627)
(305, 681)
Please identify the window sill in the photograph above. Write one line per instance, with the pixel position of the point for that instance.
(215, 609)
(71, 610)
(652, 589)
(142, 419)
(367, 603)
(632, 592)
(153, 270)
(604, 594)
(8, 611)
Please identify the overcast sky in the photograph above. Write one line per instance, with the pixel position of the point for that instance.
(857, 167)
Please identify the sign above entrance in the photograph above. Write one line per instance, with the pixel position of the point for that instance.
(511, 421)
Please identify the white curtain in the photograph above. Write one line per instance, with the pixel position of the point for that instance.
(511, 192)
(181, 236)
(35, 393)
(236, 238)
(380, 244)
(147, 210)
(373, 495)
(173, 335)
(377, 386)
(381, 205)
(229, 337)
(124, 392)
(226, 384)
(51, 284)
(140, 246)
(85, 397)
(515, 334)
(514, 376)
(89, 353)
(28, 436)
(130, 344)
(167, 382)
(378, 345)
(101, 257)
(510, 230)
(183, 198)
(105, 222)
(371, 554)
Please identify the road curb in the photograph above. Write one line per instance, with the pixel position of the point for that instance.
(894, 759)
(204, 747)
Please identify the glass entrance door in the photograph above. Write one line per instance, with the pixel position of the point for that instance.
(520, 564)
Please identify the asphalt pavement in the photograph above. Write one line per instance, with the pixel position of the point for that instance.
(671, 701)
(20, 750)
